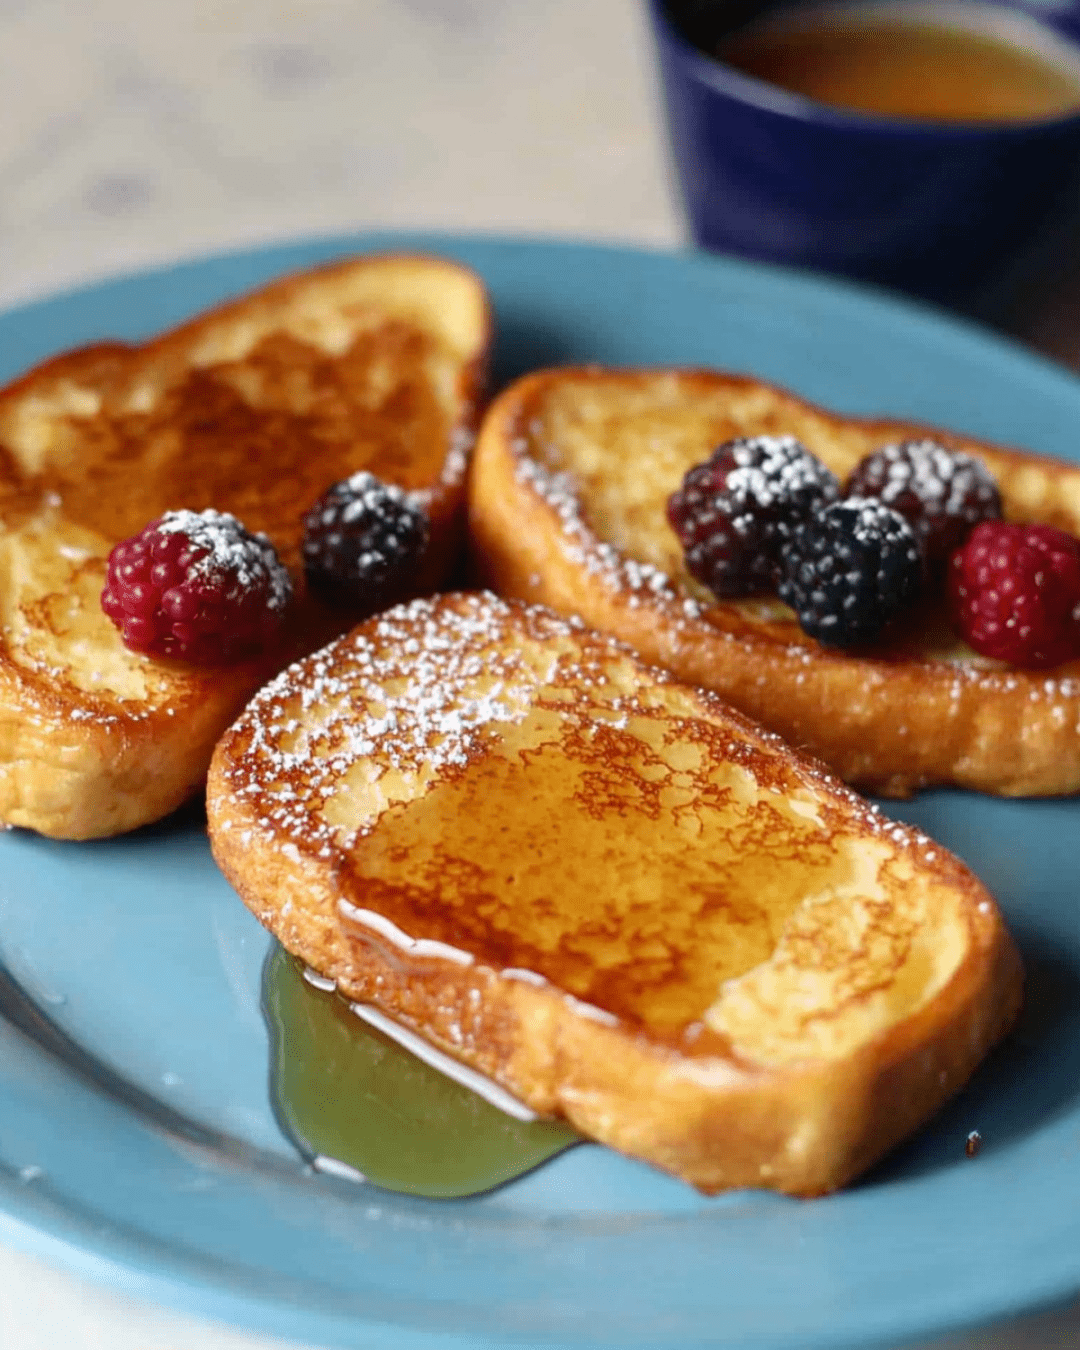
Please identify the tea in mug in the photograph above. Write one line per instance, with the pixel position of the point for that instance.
(895, 61)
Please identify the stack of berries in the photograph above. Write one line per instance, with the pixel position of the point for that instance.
(764, 516)
(199, 587)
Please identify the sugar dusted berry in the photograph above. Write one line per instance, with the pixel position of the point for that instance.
(363, 541)
(942, 493)
(196, 586)
(850, 571)
(734, 513)
(1015, 593)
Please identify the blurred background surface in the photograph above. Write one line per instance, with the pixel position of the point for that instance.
(134, 133)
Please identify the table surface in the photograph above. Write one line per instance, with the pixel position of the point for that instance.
(135, 134)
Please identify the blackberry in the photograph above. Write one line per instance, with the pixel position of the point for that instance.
(735, 512)
(197, 586)
(363, 540)
(850, 571)
(943, 493)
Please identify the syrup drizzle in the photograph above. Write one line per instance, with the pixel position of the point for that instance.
(359, 1105)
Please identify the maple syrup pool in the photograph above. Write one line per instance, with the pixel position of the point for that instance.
(357, 1104)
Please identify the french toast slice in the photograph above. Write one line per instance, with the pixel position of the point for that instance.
(567, 494)
(254, 408)
(613, 895)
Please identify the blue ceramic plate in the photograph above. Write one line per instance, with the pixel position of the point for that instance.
(137, 1143)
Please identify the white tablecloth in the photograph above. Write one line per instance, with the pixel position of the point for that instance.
(134, 133)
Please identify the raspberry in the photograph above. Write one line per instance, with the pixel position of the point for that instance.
(734, 512)
(196, 586)
(1015, 593)
(943, 493)
(851, 571)
(363, 540)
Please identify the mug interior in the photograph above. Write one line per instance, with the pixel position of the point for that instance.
(705, 25)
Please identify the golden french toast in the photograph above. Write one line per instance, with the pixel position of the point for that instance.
(254, 408)
(567, 507)
(610, 893)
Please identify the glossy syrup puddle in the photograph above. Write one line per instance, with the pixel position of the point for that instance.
(345, 1093)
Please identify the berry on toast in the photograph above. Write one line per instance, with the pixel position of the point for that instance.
(250, 411)
(580, 475)
(611, 894)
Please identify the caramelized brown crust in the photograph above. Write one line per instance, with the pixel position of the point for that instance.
(254, 408)
(567, 495)
(612, 894)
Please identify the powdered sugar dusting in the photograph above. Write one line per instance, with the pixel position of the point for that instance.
(246, 561)
(638, 581)
(772, 467)
(943, 480)
(462, 439)
(367, 494)
(409, 696)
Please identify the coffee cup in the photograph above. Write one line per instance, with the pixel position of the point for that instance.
(957, 206)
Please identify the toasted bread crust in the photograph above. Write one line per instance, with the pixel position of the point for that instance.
(567, 496)
(255, 408)
(789, 1078)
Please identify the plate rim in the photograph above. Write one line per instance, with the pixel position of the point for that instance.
(254, 1312)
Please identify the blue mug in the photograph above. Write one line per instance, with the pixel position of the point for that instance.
(958, 213)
